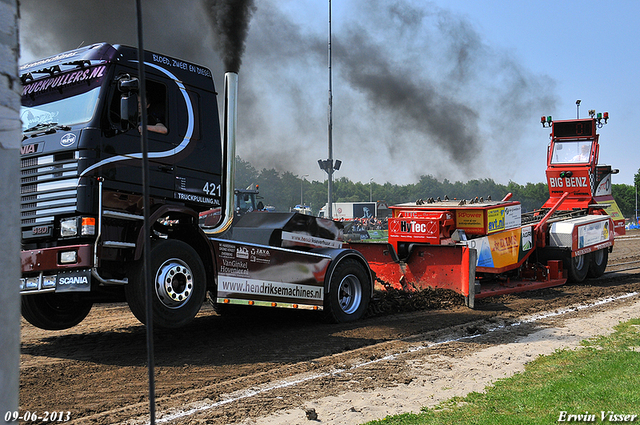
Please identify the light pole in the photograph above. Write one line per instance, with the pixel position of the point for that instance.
(329, 162)
(301, 182)
(370, 192)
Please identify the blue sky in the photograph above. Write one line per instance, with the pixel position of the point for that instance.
(583, 50)
(454, 89)
(588, 48)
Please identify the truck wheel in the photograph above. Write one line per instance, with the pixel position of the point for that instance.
(598, 262)
(54, 312)
(179, 285)
(578, 268)
(349, 292)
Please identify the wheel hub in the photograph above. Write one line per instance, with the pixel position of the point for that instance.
(349, 294)
(174, 283)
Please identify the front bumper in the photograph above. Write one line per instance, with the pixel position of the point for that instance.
(42, 270)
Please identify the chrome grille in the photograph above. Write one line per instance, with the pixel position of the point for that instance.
(28, 162)
(48, 187)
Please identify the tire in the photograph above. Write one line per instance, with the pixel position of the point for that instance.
(54, 312)
(578, 267)
(179, 285)
(598, 262)
(349, 292)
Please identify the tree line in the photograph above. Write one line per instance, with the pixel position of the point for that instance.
(284, 190)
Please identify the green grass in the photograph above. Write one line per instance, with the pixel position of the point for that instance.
(604, 375)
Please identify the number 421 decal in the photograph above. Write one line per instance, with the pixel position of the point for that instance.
(211, 189)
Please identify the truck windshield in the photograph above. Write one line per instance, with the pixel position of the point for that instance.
(65, 96)
(245, 202)
(68, 111)
(571, 152)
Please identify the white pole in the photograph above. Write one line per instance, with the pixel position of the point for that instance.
(10, 136)
(301, 182)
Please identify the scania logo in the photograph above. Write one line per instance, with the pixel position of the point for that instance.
(81, 280)
(68, 139)
(28, 149)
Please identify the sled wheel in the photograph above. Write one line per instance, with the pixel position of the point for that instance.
(578, 268)
(54, 312)
(179, 285)
(598, 262)
(349, 292)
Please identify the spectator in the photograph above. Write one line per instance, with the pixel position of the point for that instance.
(154, 123)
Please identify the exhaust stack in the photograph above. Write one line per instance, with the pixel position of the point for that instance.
(229, 150)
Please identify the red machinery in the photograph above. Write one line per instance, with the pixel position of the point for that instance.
(480, 248)
(572, 167)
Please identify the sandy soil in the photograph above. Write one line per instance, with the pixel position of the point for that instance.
(273, 367)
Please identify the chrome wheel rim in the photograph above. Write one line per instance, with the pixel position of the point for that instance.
(350, 294)
(174, 283)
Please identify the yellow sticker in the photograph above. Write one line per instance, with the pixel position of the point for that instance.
(495, 220)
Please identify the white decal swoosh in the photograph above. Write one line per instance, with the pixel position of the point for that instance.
(164, 154)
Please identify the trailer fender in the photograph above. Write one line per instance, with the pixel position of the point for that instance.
(338, 255)
(348, 285)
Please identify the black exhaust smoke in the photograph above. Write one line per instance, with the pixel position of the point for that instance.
(230, 21)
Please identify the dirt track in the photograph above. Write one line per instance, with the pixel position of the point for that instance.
(235, 369)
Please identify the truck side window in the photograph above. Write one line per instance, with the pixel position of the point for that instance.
(156, 112)
(156, 107)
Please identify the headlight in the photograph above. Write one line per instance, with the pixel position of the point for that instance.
(85, 226)
(68, 257)
(68, 227)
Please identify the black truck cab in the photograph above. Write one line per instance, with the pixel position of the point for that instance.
(75, 136)
(81, 156)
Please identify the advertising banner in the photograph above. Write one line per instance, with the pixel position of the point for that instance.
(471, 221)
(502, 249)
(593, 233)
(495, 220)
(512, 216)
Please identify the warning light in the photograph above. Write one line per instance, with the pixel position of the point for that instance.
(88, 226)
(226, 301)
(274, 304)
(295, 306)
(600, 117)
(546, 121)
(250, 302)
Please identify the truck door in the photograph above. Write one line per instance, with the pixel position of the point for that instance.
(122, 151)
